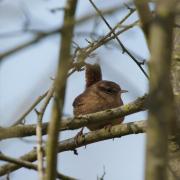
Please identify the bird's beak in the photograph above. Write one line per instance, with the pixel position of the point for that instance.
(123, 91)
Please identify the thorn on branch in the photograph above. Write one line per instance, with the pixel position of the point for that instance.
(129, 8)
(142, 62)
(89, 42)
(77, 49)
(8, 176)
(75, 45)
(37, 112)
(123, 50)
(75, 152)
(104, 173)
(55, 10)
(27, 21)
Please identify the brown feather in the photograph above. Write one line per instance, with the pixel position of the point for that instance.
(99, 95)
(93, 74)
(95, 99)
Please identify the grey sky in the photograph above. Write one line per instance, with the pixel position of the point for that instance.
(26, 75)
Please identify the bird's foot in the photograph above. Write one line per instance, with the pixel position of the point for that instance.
(79, 134)
(108, 127)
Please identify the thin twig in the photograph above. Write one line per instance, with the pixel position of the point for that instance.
(41, 35)
(126, 17)
(145, 16)
(29, 165)
(124, 49)
(40, 115)
(83, 53)
(37, 101)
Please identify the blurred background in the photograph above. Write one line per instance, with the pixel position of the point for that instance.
(26, 74)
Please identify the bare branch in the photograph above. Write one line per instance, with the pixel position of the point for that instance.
(40, 115)
(161, 101)
(124, 49)
(89, 138)
(41, 35)
(77, 122)
(59, 89)
(37, 101)
(29, 165)
(83, 53)
(145, 16)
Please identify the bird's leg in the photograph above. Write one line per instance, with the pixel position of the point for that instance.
(108, 127)
(79, 134)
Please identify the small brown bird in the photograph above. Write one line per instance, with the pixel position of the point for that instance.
(99, 95)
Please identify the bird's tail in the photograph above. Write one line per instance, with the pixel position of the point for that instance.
(93, 74)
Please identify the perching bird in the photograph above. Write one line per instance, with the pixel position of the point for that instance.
(99, 95)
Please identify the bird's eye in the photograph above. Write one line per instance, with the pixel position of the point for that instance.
(109, 90)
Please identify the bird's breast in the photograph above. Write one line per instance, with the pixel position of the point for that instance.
(94, 103)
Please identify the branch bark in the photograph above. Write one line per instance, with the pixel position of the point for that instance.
(174, 144)
(59, 89)
(29, 165)
(145, 16)
(77, 122)
(88, 138)
(40, 115)
(161, 101)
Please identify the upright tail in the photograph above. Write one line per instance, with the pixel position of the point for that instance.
(93, 74)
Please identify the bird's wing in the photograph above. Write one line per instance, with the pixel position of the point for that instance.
(78, 101)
